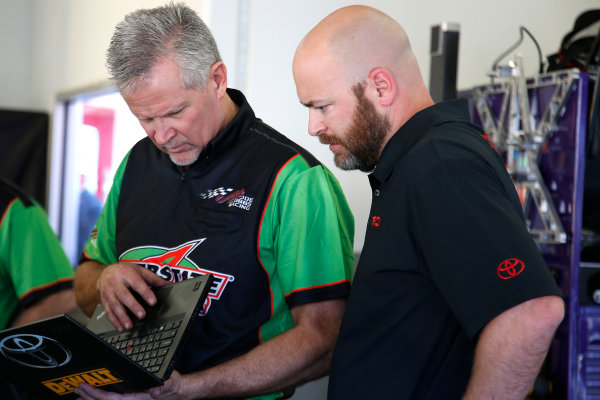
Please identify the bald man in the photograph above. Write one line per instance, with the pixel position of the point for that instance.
(451, 298)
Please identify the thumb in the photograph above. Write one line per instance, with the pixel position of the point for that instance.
(155, 392)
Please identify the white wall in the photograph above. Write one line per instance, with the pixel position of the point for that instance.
(52, 46)
(15, 54)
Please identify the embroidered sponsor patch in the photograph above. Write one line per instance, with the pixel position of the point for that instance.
(510, 268)
(229, 196)
(174, 265)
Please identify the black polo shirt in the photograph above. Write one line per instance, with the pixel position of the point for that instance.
(446, 250)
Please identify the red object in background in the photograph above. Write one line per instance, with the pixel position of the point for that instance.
(102, 119)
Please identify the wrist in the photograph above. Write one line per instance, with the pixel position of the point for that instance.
(186, 388)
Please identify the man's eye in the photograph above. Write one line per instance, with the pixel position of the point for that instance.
(321, 108)
(176, 113)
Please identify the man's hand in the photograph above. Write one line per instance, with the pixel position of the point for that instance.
(171, 390)
(88, 392)
(115, 285)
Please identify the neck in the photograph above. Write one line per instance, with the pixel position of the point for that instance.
(405, 111)
(231, 110)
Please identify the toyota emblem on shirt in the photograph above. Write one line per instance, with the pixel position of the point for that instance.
(35, 351)
(510, 268)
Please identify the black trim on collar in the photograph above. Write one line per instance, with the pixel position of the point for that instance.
(241, 122)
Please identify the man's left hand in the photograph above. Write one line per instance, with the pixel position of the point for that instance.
(171, 390)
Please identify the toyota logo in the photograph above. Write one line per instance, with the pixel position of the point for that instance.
(510, 268)
(35, 351)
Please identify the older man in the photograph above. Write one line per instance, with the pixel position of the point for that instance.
(451, 296)
(213, 189)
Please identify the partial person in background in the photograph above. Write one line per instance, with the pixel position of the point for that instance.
(213, 189)
(36, 277)
(451, 296)
(89, 211)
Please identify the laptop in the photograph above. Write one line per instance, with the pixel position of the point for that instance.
(49, 358)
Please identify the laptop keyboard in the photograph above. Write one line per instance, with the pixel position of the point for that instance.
(146, 344)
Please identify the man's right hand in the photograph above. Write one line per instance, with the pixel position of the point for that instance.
(115, 286)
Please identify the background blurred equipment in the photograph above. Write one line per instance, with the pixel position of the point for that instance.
(545, 128)
(444, 61)
(502, 70)
(580, 48)
(24, 151)
(539, 126)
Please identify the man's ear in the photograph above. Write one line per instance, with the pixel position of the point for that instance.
(218, 74)
(383, 86)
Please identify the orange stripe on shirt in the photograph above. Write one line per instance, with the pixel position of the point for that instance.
(317, 286)
(8, 208)
(262, 218)
(44, 287)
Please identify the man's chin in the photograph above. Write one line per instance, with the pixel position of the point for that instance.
(183, 160)
(345, 163)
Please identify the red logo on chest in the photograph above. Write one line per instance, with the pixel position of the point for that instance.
(510, 268)
(375, 222)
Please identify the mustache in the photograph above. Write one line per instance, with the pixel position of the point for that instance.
(328, 139)
(172, 143)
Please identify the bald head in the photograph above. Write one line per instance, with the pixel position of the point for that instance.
(358, 38)
(351, 43)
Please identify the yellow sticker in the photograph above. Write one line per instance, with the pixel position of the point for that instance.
(67, 384)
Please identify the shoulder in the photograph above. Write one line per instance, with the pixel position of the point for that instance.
(10, 192)
(454, 143)
(279, 145)
(454, 139)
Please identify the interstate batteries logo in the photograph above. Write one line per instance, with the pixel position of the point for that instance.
(173, 264)
(229, 196)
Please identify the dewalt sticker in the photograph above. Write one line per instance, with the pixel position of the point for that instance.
(67, 384)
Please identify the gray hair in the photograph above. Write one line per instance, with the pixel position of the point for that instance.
(149, 35)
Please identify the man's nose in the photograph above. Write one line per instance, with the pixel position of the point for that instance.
(315, 124)
(163, 132)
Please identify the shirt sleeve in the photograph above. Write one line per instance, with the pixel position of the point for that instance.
(307, 235)
(36, 260)
(475, 242)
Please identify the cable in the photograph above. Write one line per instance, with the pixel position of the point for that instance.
(514, 46)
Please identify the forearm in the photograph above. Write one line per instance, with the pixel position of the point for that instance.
(261, 371)
(57, 303)
(512, 348)
(295, 357)
(86, 292)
